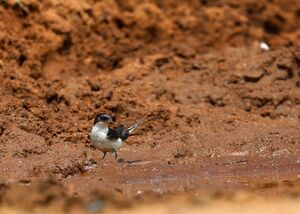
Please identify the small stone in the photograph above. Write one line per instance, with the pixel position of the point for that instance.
(253, 76)
(282, 152)
(95, 206)
(195, 66)
(264, 46)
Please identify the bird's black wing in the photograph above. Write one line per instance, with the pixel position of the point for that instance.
(120, 132)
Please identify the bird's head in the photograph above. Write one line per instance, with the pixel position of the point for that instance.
(103, 119)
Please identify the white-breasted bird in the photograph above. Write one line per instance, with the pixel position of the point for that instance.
(109, 139)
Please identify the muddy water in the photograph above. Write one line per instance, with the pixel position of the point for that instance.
(222, 114)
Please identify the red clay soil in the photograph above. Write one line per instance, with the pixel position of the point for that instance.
(222, 113)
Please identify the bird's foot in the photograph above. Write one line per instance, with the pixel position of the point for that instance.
(104, 154)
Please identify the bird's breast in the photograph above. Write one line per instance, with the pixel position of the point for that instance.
(100, 141)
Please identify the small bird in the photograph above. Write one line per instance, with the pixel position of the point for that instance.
(109, 139)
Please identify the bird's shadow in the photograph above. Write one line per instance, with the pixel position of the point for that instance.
(121, 160)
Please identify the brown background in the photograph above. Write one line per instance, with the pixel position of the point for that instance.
(222, 114)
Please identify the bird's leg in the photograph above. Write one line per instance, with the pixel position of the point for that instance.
(116, 155)
(104, 154)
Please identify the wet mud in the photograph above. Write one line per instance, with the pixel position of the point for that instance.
(222, 111)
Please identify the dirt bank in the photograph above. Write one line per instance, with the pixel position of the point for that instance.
(222, 113)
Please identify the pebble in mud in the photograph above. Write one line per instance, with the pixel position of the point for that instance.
(192, 66)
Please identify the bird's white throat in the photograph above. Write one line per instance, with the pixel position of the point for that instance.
(99, 132)
(100, 127)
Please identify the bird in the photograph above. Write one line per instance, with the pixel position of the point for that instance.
(108, 139)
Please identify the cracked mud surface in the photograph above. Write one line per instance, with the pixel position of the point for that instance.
(223, 115)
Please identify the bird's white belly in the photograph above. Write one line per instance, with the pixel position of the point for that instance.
(100, 141)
